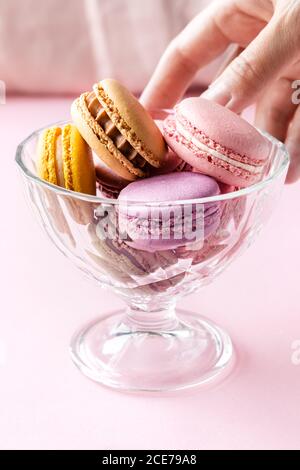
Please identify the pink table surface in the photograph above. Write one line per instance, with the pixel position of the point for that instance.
(46, 403)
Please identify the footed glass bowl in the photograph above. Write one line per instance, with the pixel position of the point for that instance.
(150, 345)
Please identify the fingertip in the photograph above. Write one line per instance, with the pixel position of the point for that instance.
(224, 95)
(219, 93)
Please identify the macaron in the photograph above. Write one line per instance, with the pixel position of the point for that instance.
(137, 271)
(172, 162)
(212, 247)
(64, 159)
(119, 130)
(56, 214)
(217, 142)
(109, 183)
(168, 223)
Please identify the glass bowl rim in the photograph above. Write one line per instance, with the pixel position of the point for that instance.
(102, 200)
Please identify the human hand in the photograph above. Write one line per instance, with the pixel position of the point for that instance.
(269, 32)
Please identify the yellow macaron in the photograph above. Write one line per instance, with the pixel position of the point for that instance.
(65, 159)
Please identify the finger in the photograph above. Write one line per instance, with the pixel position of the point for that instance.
(233, 54)
(275, 109)
(293, 146)
(262, 61)
(197, 45)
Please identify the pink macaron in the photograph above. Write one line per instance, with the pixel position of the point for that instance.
(217, 142)
(172, 164)
(168, 222)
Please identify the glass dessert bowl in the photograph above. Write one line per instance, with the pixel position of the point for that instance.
(151, 345)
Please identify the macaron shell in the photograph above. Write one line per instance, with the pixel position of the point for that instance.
(203, 227)
(165, 227)
(202, 165)
(171, 187)
(172, 162)
(46, 162)
(109, 183)
(106, 176)
(225, 127)
(79, 169)
(84, 123)
(140, 129)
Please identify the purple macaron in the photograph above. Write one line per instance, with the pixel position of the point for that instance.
(168, 220)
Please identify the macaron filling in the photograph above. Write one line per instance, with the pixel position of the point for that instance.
(181, 130)
(125, 130)
(181, 227)
(59, 163)
(100, 115)
(155, 228)
(81, 106)
(232, 166)
(183, 123)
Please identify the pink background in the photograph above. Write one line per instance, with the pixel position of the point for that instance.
(46, 403)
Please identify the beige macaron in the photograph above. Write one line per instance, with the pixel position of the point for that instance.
(119, 130)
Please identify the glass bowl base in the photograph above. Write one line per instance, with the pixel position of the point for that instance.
(188, 352)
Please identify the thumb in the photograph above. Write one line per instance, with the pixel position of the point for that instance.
(260, 63)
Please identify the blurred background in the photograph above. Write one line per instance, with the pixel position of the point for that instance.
(63, 47)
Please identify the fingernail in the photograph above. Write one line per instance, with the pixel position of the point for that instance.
(219, 93)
